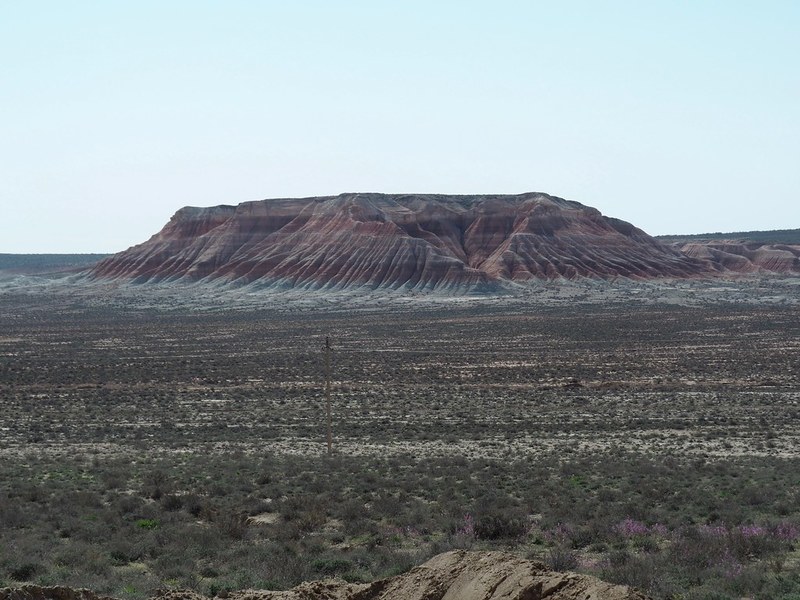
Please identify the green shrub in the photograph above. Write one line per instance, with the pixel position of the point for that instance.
(499, 526)
(147, 523)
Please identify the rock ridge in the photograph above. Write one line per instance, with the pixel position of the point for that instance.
(746, 257)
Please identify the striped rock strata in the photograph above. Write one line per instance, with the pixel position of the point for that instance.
(411, 241)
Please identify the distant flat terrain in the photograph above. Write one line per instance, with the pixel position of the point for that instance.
(777, 236)
(47, 263)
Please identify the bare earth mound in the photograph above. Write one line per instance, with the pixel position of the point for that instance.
(35, 592)
(456, 575)
(410, 242)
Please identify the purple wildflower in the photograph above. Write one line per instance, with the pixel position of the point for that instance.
(468, 527)
(659, 529)
(714, 530)
(787, 532)
(749, 531)
(631, 528)
(729, 566)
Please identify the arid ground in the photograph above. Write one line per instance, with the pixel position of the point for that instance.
(650, 443)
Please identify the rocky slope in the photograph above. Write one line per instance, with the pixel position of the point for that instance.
(742, 256)
(414, 242)
(456, 575)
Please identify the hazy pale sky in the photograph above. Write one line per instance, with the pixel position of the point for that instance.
(678, 116)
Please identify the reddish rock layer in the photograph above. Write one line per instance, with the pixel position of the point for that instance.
(398, 241)
(746, 257)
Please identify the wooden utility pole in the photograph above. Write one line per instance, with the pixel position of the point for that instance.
(328, 390)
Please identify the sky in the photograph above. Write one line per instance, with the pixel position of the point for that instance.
(679, 116)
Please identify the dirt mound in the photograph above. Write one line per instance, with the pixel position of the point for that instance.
(496, 575)
(35, 592)
(457, 575)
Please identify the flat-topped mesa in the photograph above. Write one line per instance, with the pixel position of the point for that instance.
(398, 241)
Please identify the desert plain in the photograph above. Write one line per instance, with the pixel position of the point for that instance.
(175, 437)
